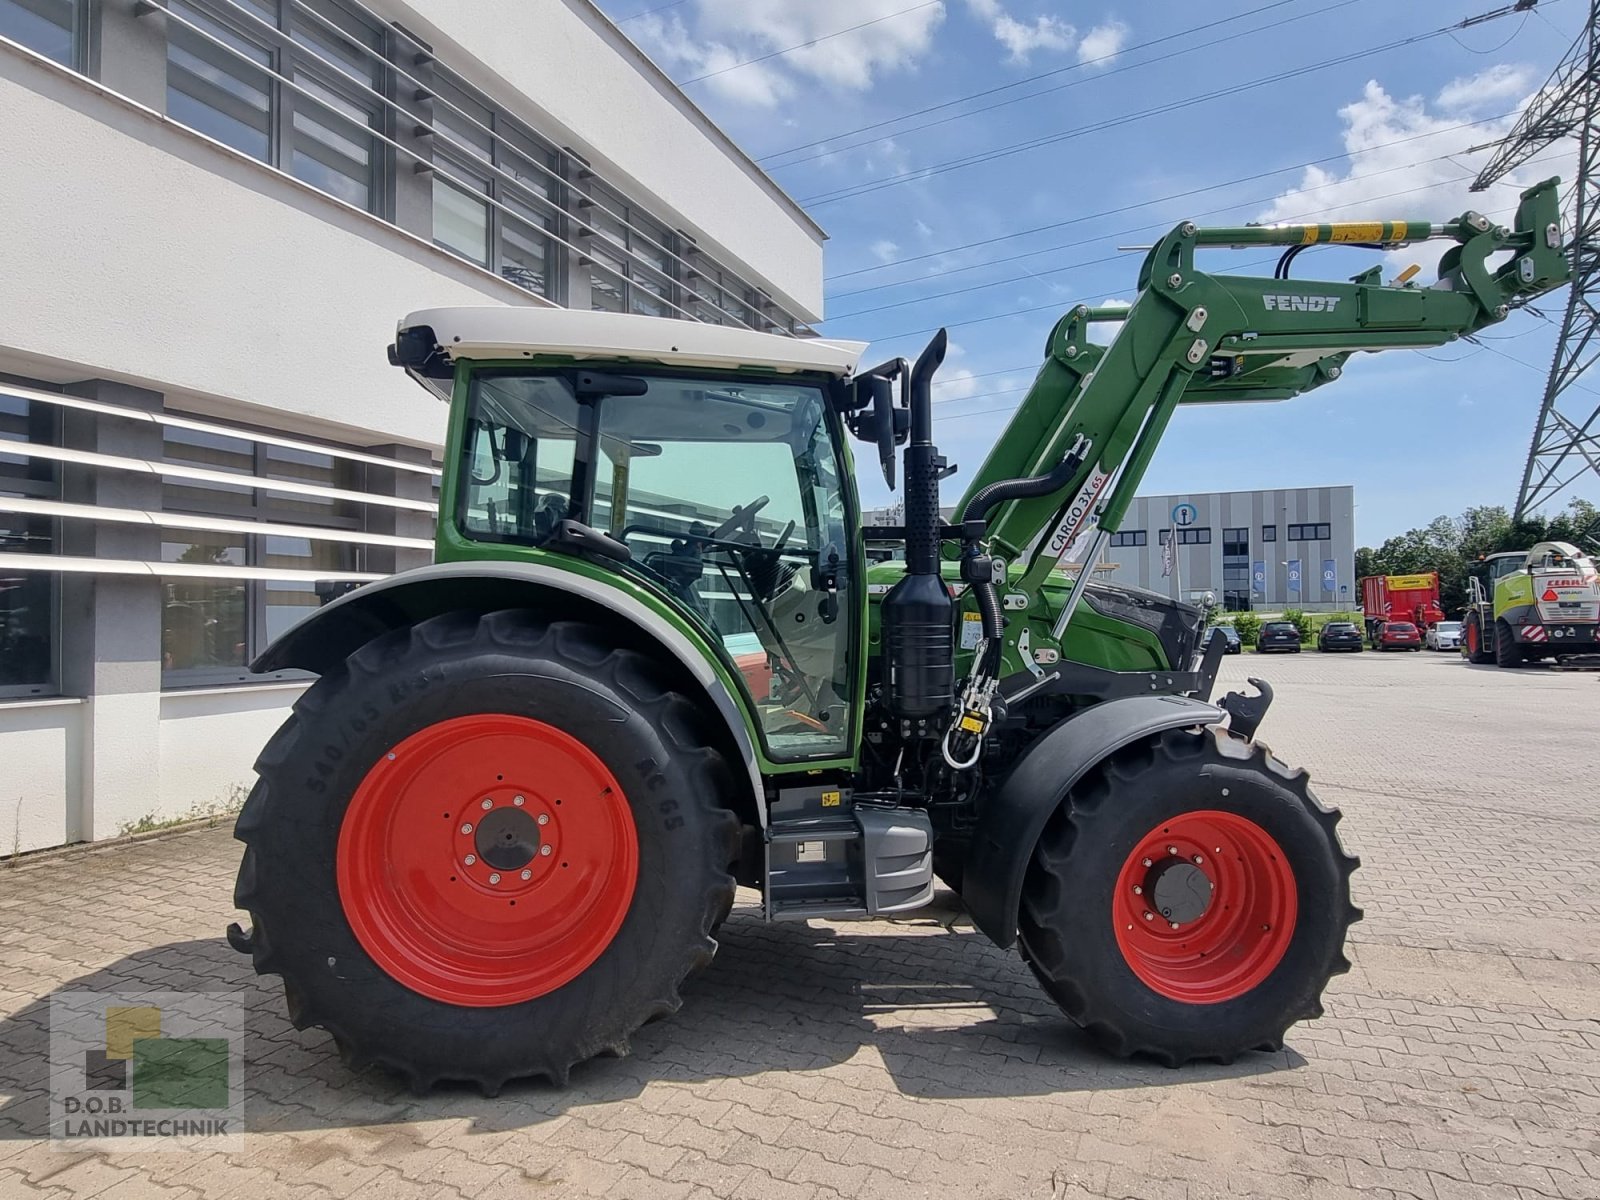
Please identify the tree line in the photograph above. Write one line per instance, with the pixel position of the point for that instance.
(1450, 545)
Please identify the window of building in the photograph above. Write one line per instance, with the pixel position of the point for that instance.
(1235, 542)
(50, 27)
(296, 84)
(1269, 533)
(1194, 537)
(1309, 533)
(631, 266)
(499, 203)
(29, 604)
(1130, 537)
(211, 628)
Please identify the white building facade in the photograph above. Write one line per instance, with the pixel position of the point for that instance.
(216, 211)
(1261, 551)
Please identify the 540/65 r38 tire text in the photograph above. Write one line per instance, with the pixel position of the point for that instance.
(488, 847)
(1189, 899)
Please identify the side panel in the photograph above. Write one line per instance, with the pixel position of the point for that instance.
(333, 633)
(1015, 814)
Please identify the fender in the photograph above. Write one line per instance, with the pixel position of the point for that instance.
(1014, 816)
(337, 630)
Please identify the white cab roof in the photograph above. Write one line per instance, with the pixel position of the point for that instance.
(505, 332)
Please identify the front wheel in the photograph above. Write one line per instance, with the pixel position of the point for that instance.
(1189, 900)
(1507, 650)
(487, 847)
(1474, 645)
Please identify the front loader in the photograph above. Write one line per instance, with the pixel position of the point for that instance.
(653, 661)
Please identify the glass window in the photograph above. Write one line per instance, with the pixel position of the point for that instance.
(1269, 533)
(461, 220)
(47, 26)
(1131, 537)
(1194, 537)
(204, 622)
(223, 91)
(1235, 541)
(727, 493)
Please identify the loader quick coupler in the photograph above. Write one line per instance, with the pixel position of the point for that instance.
(1245, 713)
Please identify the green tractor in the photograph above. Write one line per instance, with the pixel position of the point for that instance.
(1526, 606)
(653, 662)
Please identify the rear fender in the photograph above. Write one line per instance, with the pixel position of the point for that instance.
(1014, 815)
(326, 638)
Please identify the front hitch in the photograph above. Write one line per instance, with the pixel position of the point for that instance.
(1245, 713)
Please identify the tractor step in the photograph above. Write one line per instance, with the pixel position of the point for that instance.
(853, 863)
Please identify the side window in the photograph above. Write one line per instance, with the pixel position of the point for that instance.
(518, 445)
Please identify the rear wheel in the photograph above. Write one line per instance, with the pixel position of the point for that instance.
(1189, 900)
(1473, 642)
(487, 848)
(1507, 651)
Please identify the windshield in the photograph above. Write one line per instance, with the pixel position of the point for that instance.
(1448, 627)
(1281, 627)
(1402, 627)
(727, 492)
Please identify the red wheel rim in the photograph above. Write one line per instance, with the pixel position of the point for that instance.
(486, 860)
(1205, 907)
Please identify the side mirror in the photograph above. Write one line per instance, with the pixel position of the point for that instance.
(875, 418)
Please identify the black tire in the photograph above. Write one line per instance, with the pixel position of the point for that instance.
(567, 675)
(1066, 923)
(1507, 651)
(1474, 642)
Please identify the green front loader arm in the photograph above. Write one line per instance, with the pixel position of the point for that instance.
(1191, 337)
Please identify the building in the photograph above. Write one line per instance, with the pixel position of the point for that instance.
(216, 212)
(1267, 551)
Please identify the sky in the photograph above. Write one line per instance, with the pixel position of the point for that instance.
(978, 163)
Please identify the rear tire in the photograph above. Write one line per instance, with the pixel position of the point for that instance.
(371, 907)
(1141, 989)
(1507, 651)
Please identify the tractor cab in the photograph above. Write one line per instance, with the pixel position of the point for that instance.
(720, 490)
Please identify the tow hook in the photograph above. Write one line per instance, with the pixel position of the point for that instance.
(1246, 712)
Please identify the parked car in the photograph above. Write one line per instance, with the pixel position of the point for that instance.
(1446, 635)
(1397, 635)
(1340, 635)
(1278, 635)
(1230, 634)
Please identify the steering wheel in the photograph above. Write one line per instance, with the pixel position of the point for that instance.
(742, 518)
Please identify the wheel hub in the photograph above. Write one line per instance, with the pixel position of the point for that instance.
(1179, 890)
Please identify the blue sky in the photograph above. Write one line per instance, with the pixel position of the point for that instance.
(1388, 127)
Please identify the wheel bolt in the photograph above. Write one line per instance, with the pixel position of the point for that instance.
(517, 800)
(544, 818)
(1145, 861)
(487, 803)
(527, 874)
(1266, 929)
(1198, 860)
(470, 859)
(495, 878)
(1137, 890)
(1174, 924)
(467, 828)
(1149, 916)
(545, 849)
(1172, 850)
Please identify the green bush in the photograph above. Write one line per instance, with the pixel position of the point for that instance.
(1249, 627)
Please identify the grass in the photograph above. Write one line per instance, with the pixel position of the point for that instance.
(213, 813)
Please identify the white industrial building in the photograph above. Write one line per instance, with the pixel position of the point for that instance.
(1264, 550)
(216, 210)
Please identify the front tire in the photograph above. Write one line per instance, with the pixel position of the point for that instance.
(487, 848)
(1474, 642)
(1261, 916)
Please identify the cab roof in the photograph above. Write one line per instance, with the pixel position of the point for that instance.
(501, 332)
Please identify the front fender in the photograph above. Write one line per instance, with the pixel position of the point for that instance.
(1014, 815)
(330, 635)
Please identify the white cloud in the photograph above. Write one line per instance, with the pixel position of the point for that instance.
(924, 230)
(722, 33)
(883, 250)
(1103, 42)
(1020, 38)
(1412, 159)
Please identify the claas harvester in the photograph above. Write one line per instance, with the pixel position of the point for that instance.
(653, 661)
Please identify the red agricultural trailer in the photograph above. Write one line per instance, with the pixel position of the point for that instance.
(1413, 598)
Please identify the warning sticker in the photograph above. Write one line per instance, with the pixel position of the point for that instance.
(971, 630)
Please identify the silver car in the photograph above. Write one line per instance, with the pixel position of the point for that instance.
(1446, 635)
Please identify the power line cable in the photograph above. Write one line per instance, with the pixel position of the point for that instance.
(1192, 48)
(1016, 83)
(805, 45)
(647, 12)
(1188, 102)
(1109, 212)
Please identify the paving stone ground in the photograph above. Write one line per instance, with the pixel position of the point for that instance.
(1460, 1058)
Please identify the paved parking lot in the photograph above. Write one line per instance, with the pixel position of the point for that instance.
(1461, 1057)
